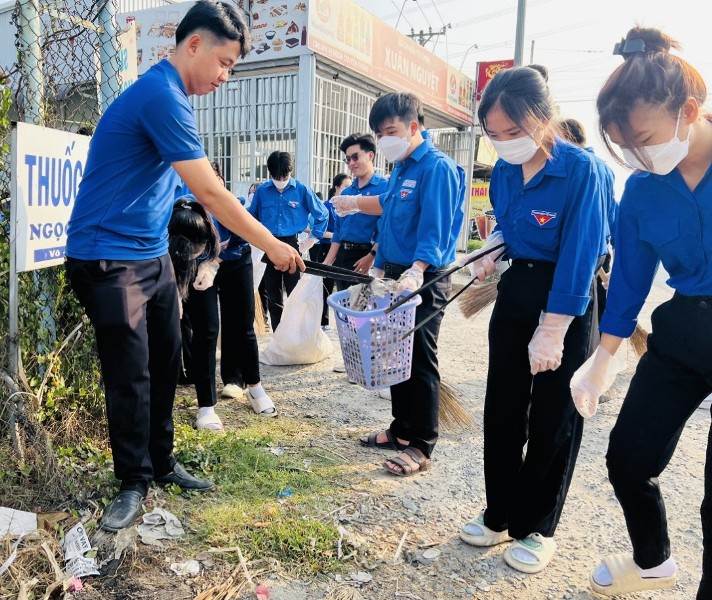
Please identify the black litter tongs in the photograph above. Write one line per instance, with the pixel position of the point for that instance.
(403, 299)
(332, 272)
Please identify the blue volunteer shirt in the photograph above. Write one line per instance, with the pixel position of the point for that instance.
(557, 217)
(232, 246)
(287, 213)
(125, 197)
(422, 210)
(331, 224)
(360, 228)
(659, 221)
(608, 189)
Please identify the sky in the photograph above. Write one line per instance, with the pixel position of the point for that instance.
(573, 38)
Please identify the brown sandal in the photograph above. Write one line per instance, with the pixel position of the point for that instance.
(416, 456)
(391, 442)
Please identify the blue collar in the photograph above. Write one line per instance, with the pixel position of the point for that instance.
(417, 154)
(166, 66)
(376, 178)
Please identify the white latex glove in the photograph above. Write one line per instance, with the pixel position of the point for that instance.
(593, 379)
(547, 345)
(484, 267)
(306, 244)
(206, 275)
(345, 205)
(411, 279)
(376, 273)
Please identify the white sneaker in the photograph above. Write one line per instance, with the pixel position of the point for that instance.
(232, 390)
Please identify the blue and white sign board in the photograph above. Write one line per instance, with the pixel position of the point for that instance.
(47, 167)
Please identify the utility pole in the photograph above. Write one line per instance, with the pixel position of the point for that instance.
(531, 54)
(519, 38)
(423, 37)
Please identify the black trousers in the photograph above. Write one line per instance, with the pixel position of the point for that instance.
(415, 402)
(318, 253)
(277, 282)
(671, 380)
(239, 355)
(133, 306)
(526, 493)
(346, 260)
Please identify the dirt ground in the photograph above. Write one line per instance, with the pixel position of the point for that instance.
(431, 508)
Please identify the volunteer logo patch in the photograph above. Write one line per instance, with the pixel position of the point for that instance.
(543, 217)
(410, 183)
(405, 192)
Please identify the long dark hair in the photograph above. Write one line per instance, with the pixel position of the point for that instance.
(190, 230)
(523, 95)
(651, 75)
(336, 183)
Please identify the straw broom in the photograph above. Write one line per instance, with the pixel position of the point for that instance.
(477, 298)
(260, 328)
(639, 339)
(451, 413)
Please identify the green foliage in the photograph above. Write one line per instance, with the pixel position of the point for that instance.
(473, 245)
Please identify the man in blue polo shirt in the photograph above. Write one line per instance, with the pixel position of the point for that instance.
(422, 212)
(117, 245)
(283, 206)
(353, 243)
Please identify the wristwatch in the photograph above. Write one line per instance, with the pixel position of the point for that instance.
(372, 252)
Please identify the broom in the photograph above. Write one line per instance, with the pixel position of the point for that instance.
(451, 413)
(477, 298)
(639, 339)
(260, 328)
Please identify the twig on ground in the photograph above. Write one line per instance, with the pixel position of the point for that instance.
(341, 456)
(244, 566)
(400, 546)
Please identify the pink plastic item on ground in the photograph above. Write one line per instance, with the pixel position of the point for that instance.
(262, 592)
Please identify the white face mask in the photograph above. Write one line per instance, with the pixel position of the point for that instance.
(516, 151)
(663, 157)
(393, 147)
(280, 185)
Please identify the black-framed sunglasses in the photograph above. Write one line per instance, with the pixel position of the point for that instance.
(353, 157)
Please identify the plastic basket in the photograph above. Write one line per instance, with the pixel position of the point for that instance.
(374, 354)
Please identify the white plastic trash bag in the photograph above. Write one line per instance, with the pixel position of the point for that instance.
(299, 339)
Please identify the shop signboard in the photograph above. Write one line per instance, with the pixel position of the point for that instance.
(278, 29)
(345, 33)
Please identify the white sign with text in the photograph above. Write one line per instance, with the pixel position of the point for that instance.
(47, 167)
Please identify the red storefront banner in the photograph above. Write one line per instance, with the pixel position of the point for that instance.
(487, 70)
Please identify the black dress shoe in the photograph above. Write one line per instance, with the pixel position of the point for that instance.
(180, 477)
(122, 511)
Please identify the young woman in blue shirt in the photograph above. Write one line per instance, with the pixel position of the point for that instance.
(547, 199)
(650, 108)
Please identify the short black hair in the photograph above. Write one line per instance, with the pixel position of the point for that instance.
(542, 70)
(86, 130)
(403, 106)
(280, 164)
(220, 19)
(364, 140)
(573, 131)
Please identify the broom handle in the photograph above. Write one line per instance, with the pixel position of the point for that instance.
(403, 299)
(444, 306)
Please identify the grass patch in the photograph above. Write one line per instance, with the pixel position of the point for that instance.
(266, 503)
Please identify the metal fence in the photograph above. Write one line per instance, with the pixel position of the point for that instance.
(63, 51)
(244, 121)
